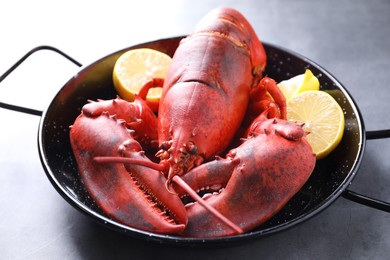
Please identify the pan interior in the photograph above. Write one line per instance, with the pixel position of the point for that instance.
(329, 179)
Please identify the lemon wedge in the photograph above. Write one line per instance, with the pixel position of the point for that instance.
(323, 118)
(298, 84)
(135, 68)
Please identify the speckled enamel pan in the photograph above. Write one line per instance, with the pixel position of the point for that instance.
(330, 179)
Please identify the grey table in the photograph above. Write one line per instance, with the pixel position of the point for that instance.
(351, 39)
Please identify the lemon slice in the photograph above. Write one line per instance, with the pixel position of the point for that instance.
(298, 84)
(136, 67)
(323, 118)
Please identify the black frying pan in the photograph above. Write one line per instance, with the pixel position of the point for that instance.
(329, 180)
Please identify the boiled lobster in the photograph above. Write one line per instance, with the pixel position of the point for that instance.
(214, 87)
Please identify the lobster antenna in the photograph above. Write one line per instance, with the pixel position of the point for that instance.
(179, 181)
(118, 159)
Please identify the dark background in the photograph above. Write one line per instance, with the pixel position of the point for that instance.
(350, 39)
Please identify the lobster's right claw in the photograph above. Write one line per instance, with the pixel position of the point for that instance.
(128, 193)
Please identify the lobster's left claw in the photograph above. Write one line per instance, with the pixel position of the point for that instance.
(267, 96)
(261, 176)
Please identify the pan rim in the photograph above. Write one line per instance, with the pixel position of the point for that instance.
(67, 194)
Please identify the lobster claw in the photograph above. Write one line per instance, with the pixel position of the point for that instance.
(129, 194)
(259, 178)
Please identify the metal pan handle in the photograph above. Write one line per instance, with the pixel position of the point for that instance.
(19, 62)
(365, 200)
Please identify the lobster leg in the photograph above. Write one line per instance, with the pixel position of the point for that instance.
(263, 174)
(267, 97)
(130, 194)
(153, 83)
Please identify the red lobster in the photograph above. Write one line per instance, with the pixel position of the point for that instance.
(214, 79)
